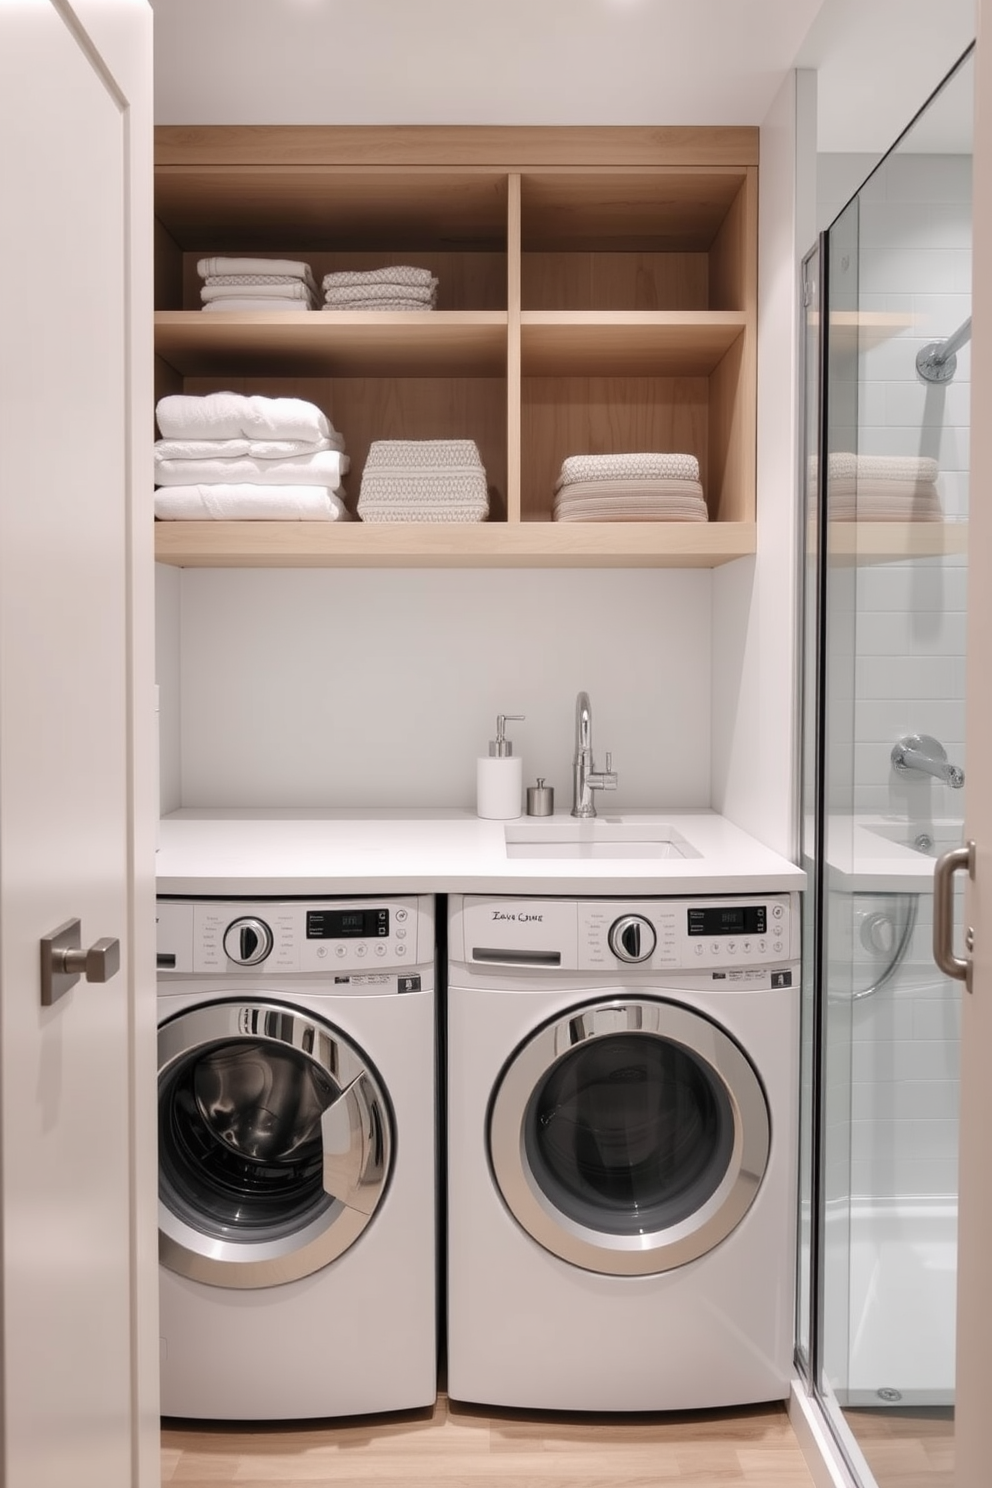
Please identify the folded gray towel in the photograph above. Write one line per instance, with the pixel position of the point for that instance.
(397, 274)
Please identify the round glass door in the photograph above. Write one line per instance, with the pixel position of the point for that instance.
(629, 1137)
(274, 1144)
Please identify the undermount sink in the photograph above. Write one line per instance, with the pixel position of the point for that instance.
(602, 837)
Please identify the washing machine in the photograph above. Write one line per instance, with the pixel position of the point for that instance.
(621, 1135)
(297, 1168)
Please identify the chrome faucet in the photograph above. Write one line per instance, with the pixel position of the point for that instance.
(585, 777)
(925, 754)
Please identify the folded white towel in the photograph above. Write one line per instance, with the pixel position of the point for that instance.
(628, 466)
(250, 304)
(234, 449)
(396, 274)
(294, 289)
(323, 469)
(239, 503)
(241, 416)
(209, 267)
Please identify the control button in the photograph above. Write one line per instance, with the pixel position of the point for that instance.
(777, 911)
(382, 914)
(401, 915)
(746, 948)
(340, 951)
(762, 945)
(361, 949)
(381, 950)
(401, 950)
(401, 935)
(731, 946)
(698, 949)
(321, 952)
(715, 947)
(778, 946)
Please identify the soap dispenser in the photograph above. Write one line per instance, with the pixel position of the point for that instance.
(499, 776)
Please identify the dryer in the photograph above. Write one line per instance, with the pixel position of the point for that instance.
(297, 1136)
(621, 1135)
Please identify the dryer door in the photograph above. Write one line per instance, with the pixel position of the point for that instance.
(275, 1143)
(629, 1137)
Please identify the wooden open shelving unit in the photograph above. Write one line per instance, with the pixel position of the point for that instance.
(597, 293)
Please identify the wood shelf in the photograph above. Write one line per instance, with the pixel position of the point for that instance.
(430, 343)
(568, 343)
(452, 545)
(894, 542)
(597, 292)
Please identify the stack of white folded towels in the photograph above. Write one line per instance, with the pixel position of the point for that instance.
(397, 288)
(247, 284)
(423, 480)
(233, 457)
(629, 488)
(881, 488)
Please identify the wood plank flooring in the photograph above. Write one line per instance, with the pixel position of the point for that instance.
(459, 1446)
(906, 1448)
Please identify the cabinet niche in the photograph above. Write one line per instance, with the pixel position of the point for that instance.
(596, 295)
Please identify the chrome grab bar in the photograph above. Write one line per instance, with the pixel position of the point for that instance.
(949, 863)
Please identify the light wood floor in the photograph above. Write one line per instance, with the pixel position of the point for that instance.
(461, 1446)
(906, 1448)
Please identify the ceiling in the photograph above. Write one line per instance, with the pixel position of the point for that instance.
(553, 61)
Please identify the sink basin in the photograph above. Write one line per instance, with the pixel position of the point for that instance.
(599, 838)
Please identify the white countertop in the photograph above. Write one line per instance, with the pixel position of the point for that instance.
(421, 851)
(876, 854)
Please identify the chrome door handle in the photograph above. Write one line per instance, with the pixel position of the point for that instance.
(949, 863)
(64, 961)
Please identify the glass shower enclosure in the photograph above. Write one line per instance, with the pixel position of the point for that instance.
(885, 492)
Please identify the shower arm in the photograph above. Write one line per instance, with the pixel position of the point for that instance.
(937, 362)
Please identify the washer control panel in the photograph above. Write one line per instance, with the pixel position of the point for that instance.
(716, 933)
(687, 933)
(267, 935)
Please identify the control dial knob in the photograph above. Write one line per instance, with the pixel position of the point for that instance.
(632, 938)
(247, 941)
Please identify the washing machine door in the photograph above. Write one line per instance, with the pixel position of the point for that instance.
(629, 1137)
(275, 1143)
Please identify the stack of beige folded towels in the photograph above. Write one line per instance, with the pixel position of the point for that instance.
(423, 480)
(882, 488)
(629, 488)
(232, 457)
(247, 284)
(399, 287)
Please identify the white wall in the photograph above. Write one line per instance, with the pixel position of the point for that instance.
(380, 688)
(754, 625)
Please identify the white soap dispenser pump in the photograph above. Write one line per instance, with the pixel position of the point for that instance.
(499, 776)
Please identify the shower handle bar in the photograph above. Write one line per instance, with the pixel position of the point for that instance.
(949, 863)
(937, 362)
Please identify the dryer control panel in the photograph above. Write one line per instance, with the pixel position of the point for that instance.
(306, 936)
(676, 934)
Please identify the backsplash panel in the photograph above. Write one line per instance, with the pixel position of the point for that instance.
(380, 688)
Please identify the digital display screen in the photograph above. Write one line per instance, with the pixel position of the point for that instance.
(346, 924)
(730, 919)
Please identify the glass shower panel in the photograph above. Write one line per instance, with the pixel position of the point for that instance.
(892, 475)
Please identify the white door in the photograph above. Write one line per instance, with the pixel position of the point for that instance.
(78, 1273)
(973, 1427)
